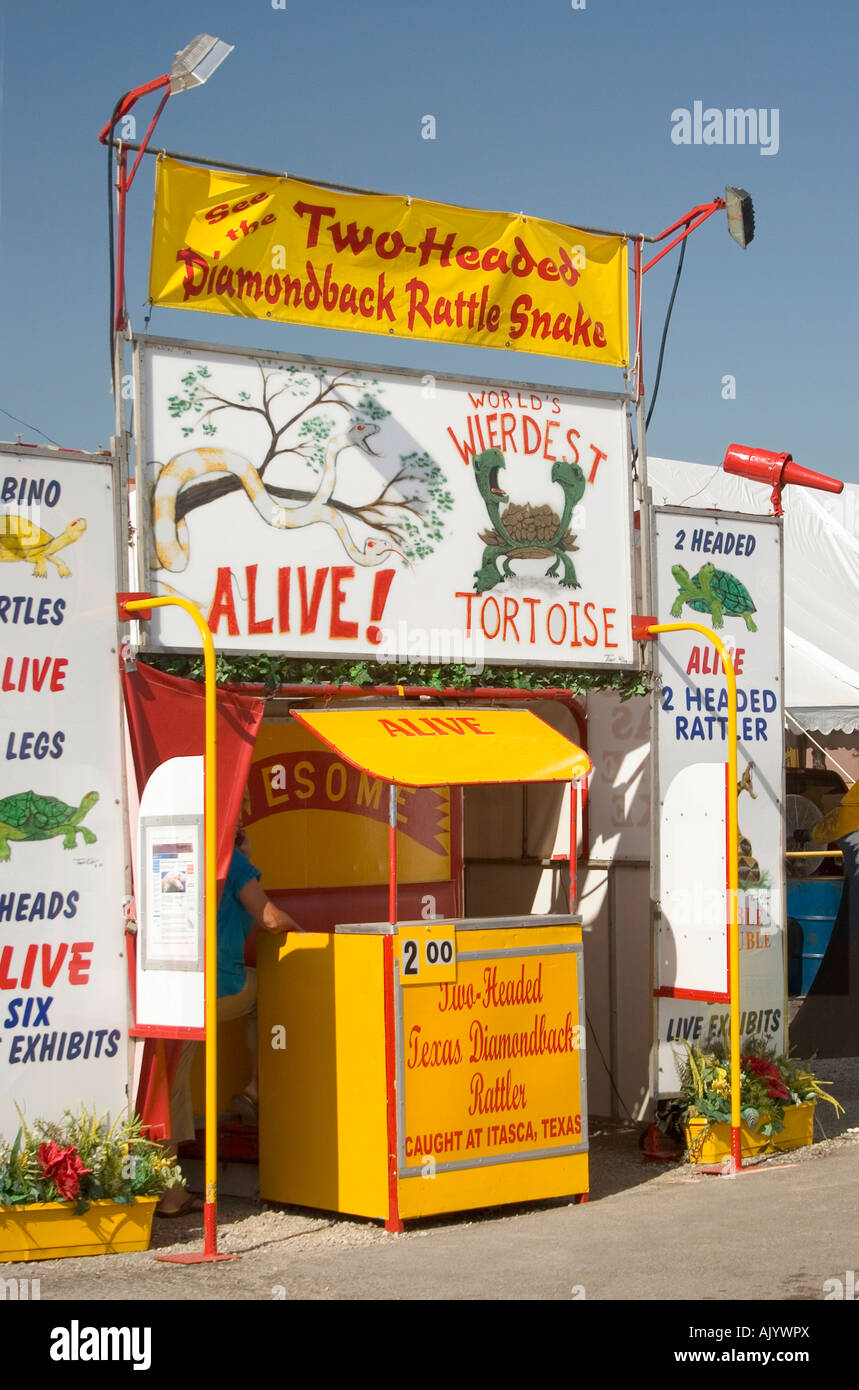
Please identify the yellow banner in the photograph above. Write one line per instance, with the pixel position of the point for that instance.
(292, 252)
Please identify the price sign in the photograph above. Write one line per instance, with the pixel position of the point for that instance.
(427, 955)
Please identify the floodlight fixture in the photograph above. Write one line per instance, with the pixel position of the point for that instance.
(741, 222)
(194, 64)
(741, 215)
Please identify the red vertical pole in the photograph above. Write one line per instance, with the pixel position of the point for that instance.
(736, 1162)
(121, 198)
(637, 275)
(393, 1223)
(392, 855)
(586, 825)
(574, 843)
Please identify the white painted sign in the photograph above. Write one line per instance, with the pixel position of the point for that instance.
(63, 973)
(174, 892)
(722, 570)
(321, 510)
(171, 971)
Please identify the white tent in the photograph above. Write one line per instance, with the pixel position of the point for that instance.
(821, 585)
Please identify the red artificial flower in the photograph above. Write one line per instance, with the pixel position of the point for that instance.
(769, 1072)
(761, 1067)
(63, 1167)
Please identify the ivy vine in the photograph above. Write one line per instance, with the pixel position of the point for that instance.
(271, 671)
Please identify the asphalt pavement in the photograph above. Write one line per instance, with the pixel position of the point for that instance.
(782, 1230)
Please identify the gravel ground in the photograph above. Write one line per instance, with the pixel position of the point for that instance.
(274, 1241)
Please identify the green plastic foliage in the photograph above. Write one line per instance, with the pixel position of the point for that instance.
(271, 671)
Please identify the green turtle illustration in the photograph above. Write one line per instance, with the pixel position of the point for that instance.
(28, 816)
(20, 539)
(523, 531)
(715, 592)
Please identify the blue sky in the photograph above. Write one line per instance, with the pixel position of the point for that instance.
(559, 112)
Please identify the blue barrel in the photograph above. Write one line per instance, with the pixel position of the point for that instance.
(814, 903)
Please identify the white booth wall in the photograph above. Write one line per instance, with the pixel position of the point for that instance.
(516, 842)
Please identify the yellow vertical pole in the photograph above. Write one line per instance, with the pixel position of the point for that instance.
(733, 884)
(210, 1213)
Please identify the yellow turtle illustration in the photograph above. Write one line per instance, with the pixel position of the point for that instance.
(21, 539)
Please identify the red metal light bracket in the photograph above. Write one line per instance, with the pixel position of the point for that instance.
(641, 626)
(123, 613)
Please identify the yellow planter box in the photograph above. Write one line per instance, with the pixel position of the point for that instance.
(711, 1143)
(51, 1230)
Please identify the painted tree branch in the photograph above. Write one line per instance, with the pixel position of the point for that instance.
(204, 493)
(277, 432)
(401, 519)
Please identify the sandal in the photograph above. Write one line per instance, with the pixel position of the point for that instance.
(247, 1109)
(190, 1205)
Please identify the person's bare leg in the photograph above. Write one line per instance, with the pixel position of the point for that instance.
(245, 1103)
(175, 1198)
(252, 1088)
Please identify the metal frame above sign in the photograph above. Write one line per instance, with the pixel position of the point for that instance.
(330, 510)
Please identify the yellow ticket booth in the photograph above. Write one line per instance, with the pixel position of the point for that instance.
(433, 1064)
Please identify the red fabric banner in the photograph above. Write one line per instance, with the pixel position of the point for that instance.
(166, 718)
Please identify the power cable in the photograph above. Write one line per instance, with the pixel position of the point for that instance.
(607, 1068)
(662, 345)
(665, 331)
(9, 414)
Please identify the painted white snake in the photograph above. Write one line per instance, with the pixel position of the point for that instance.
(170, 536)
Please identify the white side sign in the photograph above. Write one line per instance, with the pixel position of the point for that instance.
(171, 939)
(722, 570)
(322, 510)
(63, 975)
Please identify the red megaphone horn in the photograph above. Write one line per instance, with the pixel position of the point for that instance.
(763, 466)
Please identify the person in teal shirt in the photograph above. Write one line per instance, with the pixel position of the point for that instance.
(235, 924)
(243, 904)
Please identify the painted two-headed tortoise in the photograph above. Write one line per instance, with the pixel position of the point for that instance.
(715, 592)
